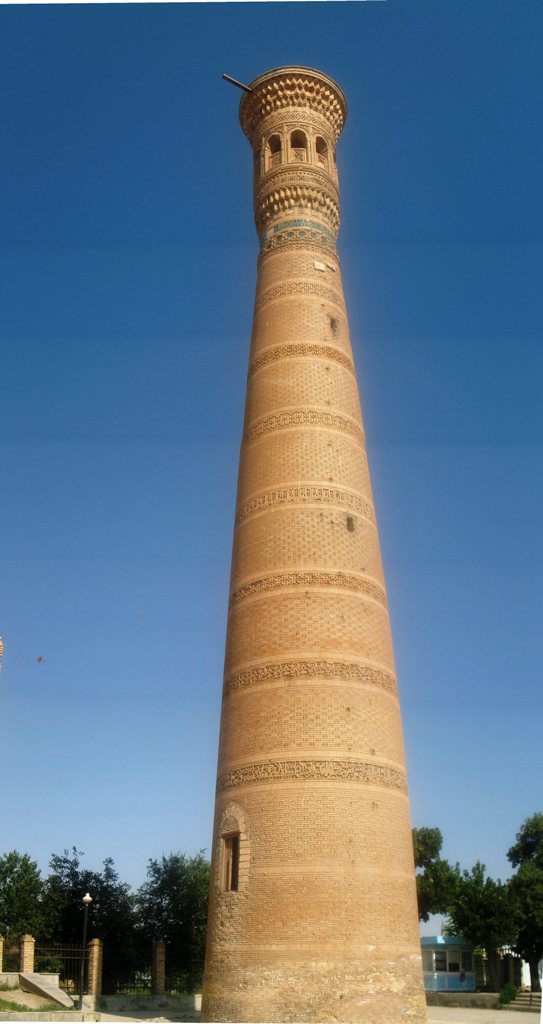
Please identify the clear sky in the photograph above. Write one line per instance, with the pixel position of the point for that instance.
(128, 258)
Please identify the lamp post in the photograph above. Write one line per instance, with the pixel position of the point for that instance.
(87, 900)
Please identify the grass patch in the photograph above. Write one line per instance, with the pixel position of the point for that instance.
(9, 1006)
(6, 987)
(6, 1004)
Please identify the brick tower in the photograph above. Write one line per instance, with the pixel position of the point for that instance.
(313, 908)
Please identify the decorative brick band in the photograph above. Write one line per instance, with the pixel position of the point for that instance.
(297, 241)
(298, 288)
(302, 224)
(298, 233)
(298, 238)
(346, 670)
(303, 417)
(311, 578)
(345, 771)
(309, 494)
(271, 355)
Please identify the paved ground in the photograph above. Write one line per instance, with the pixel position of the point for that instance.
(441, 1014)
(436, 1015)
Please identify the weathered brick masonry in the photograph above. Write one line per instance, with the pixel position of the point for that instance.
(313, 908)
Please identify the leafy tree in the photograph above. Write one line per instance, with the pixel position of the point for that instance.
(529, 844)
(436, 879)
(111, 913)
(485, 912)
(21, 889)
(63, 893)
(527, 888)
(172, 906)
(427, 843)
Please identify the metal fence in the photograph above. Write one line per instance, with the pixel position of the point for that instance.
(184, 980)
(126, 971)
(129, 974)
(12, 955)
(128, 982)
(64, 961)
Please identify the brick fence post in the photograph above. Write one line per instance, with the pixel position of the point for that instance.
(26, 954)
(94, 983)
(158, 968)
(1, 953)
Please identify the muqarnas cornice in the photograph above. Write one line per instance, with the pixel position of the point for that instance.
(287, 188)
(292, 87)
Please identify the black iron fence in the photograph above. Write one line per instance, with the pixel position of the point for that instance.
(128, 983)
(11, 955)
(184, 980)
(126, 971)
(64, 961)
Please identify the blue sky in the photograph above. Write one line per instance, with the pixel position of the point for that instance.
(128, 258)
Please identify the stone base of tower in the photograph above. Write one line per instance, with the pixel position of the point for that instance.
(375, 990)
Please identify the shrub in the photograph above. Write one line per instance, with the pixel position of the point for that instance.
(508, 993)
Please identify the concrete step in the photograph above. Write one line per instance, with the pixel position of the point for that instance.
(527, 1001)
(42, 985)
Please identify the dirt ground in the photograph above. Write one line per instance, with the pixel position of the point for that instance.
(26, 1000)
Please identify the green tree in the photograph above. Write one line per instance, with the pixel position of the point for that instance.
(172, 906)
(21, 890)
(529, 844)
(436, 879)
(485, 912)
(111, 913)
(427, 843)
(527, 889)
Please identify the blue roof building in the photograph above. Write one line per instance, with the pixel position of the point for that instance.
(447, 962)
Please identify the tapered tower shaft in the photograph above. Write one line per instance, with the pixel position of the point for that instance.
(313, 907)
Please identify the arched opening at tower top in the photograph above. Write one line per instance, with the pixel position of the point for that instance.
(273, 151)
(321, 149)
(298, 147)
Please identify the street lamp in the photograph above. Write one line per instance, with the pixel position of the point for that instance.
(87, 900)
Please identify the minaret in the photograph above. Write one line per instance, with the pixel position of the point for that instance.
(313, 907)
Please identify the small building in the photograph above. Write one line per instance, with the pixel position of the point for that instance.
(448, 964)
